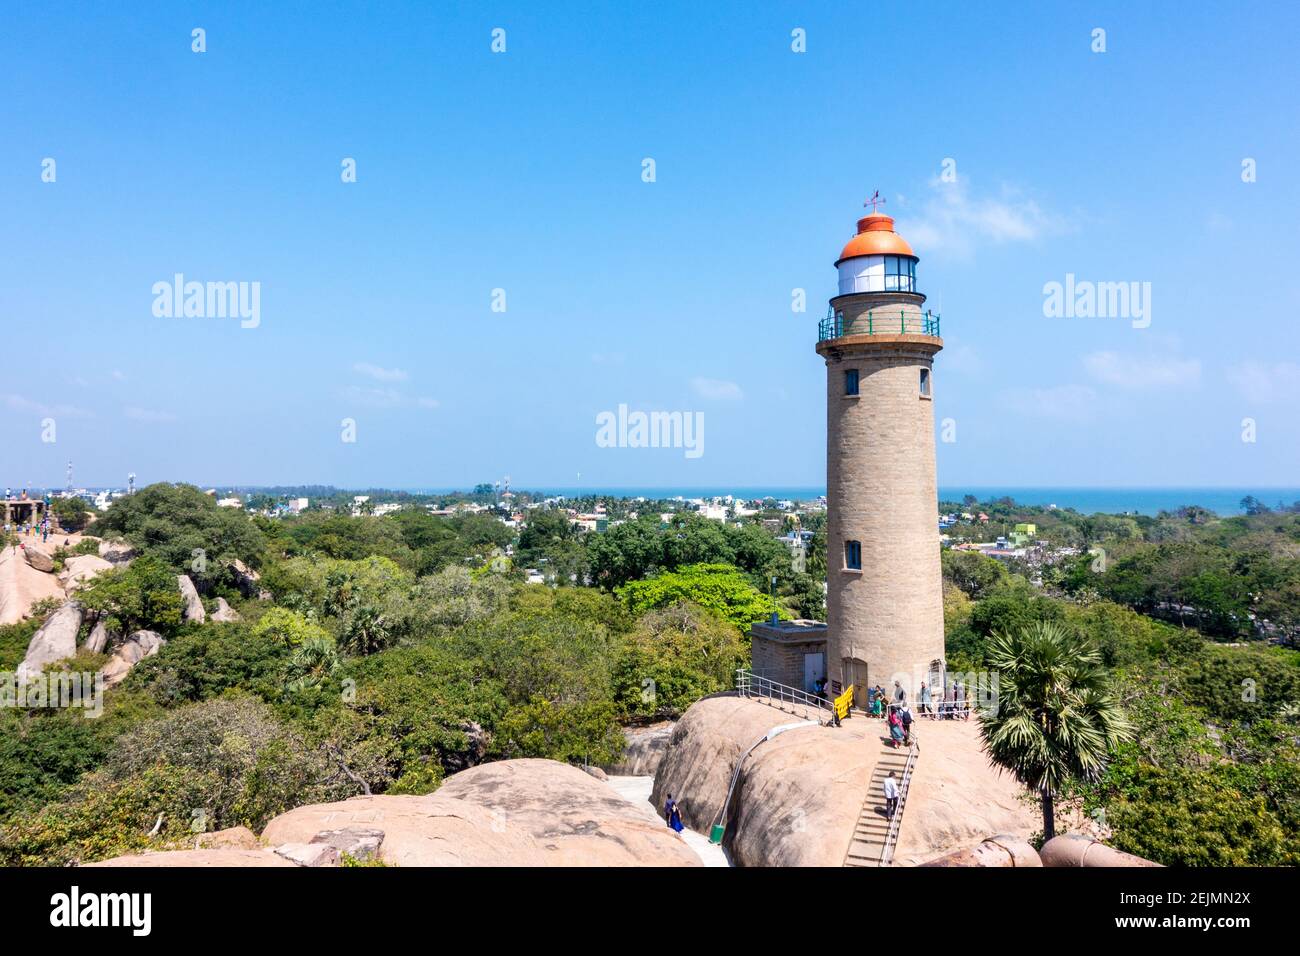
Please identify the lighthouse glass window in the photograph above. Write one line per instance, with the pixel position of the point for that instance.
(900, 274)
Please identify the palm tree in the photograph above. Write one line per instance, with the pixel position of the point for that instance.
(1055, 718)
(312, 662)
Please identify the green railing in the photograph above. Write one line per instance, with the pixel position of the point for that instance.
(878, 322)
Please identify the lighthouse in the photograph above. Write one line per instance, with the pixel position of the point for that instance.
(884, 582)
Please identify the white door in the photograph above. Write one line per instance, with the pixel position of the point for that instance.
(814, 668)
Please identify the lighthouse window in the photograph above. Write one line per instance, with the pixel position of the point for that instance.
(851, 381)
(853, 555)
(925, 383)
(900, 274)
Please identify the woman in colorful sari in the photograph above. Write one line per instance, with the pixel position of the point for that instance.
(895, 728)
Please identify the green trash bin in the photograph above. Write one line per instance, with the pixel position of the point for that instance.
(715, 835)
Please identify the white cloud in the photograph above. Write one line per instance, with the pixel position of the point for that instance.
(379, 373)
(950, 220)
(715, 389)
(1139, 372)
(20, 403)
(1266, 383)
(1071, 403)
(377, 397)
(148, 415)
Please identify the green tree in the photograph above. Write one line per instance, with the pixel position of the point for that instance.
(674, 657)
(1055, 719)
(143, 595)
(718, 588)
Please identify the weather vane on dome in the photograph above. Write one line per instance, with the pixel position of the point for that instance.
(874, 201)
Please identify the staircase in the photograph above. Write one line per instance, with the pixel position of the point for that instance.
(875, 835)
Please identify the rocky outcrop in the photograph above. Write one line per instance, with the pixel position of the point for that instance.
(224, 612)
(239, 838)
(799, 795)
(357, 843)
(116, 552)
(55, 640)
(308, 854)
(430, 830)
(644, 749)
(193, 610)
(81, 568)
(508, 813)
(577, 820)
(1000, 851)
(476, 745)
(246, 579)
(38, 559)
(130, 652)
(22, 586)
(226, 857)
(99, 637)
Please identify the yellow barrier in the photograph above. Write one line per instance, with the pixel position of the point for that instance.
(843, 703)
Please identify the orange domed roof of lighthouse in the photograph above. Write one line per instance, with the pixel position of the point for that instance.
(876, 237)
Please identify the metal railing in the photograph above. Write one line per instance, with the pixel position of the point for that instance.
(878, 322)
(749, 684)
(896, 821)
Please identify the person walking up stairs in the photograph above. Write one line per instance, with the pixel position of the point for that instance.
(872, 829)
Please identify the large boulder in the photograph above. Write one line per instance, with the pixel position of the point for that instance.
(81, 568)
(99, 637)
(429, 830)
(224, 612)
(130, 652)
(508, 813)
(643, 750)
(38, 559)
(223, 857)
(246, 579)
(577, 820)
(239, 838)
(116, 552)
(193, 610)
(55, 640)
(799, 795)
(22, 586)
(476, 745)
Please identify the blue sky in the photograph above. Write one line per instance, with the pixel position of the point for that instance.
(523, 171)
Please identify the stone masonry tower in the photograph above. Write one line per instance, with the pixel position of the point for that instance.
(884, 597)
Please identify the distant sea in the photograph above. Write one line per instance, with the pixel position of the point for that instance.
(1147, 501)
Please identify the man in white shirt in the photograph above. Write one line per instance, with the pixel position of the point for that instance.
(891, 795)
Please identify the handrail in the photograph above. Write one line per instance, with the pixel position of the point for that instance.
(896, 821)
(878, 322)
(749, 684)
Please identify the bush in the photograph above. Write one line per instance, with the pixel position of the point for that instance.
(210, 660)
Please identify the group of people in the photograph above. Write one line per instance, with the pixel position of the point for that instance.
(950, 706)
(39, 529)
(896, 713)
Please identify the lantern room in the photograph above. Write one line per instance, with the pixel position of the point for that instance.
(877, 259)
